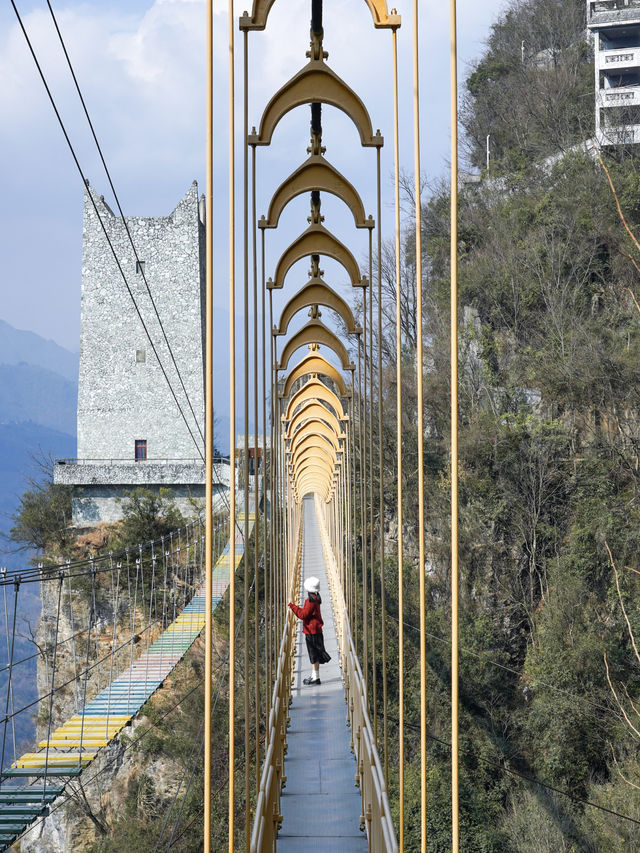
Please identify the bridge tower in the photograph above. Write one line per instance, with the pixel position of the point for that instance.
(130, 430)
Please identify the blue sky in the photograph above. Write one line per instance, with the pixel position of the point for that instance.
(141, 65)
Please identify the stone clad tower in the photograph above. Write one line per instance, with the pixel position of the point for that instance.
(130, 430)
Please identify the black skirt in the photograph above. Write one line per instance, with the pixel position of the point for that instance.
(316, 649)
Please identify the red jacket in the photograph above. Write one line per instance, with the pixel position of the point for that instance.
(310, 614)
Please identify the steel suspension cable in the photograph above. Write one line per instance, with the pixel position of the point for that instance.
(363, 502)
(209, 439)
(396, 158)
(10, 676)
(258, 521)
(381, 521)
(245, 467)
(420, 405)
(455, 760)
(232, 427)
(374, 669)
(9, 664)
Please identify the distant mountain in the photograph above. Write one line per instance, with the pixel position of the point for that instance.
(18, 444)
(18, 346)
(32, 393)
(38, 401)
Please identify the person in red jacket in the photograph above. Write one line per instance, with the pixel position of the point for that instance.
(312, 629)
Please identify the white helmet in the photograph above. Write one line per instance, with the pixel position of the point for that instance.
(312, 584)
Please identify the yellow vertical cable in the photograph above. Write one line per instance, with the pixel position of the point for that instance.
(256, 496)
(383, 594)
(208, 657)
(396, 158)
(420, 404)
(374, 671)
(363, 513)
(245, 466)
(232, 432)
(272, 563)
(266, 566)
(455, 796)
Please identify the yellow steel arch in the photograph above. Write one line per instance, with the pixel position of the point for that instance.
(314, 389)
(308, 457)
(316, 173)
(313, 443)
(257, 20)
(316, 292)
(315, 363)
(317, 427)
(381, 17)
(315, 332)
(317, 240)
(314, 83)
(312, 409)
(312, 463)
(311, 466)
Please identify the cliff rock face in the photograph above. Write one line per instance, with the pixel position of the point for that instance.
(93, 802)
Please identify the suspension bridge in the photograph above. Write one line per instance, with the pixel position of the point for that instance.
(312, 503)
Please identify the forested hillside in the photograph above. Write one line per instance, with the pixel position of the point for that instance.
(549, 443)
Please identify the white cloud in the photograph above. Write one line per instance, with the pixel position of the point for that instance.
(142, 73)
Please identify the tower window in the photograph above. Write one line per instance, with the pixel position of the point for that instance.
(141, 449)
(141, 356)
(140, 266)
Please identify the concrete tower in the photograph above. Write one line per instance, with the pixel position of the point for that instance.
(130, 430)
(615, 25)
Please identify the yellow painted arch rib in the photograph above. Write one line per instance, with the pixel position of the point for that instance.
(317, 240)
(313, 467)
(314, 83)
(381, 17)
(315, 332)
(316, 173)
(312, 444)
(257, 20)
(309, 410)
(317, 427)
(261, 8)
(318, 390)
(315, 363)
(317, 292)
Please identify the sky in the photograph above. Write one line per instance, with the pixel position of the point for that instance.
(141, 66)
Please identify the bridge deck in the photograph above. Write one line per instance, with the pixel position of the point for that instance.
(320, 805)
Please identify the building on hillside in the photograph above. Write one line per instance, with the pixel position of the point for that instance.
(615, 26)
(131, 431)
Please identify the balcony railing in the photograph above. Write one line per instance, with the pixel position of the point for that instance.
(613, 11)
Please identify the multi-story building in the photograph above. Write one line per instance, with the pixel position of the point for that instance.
(131, 431)
(615, 25)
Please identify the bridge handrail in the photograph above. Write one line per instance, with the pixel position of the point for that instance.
(268, 818)
(376, 810)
